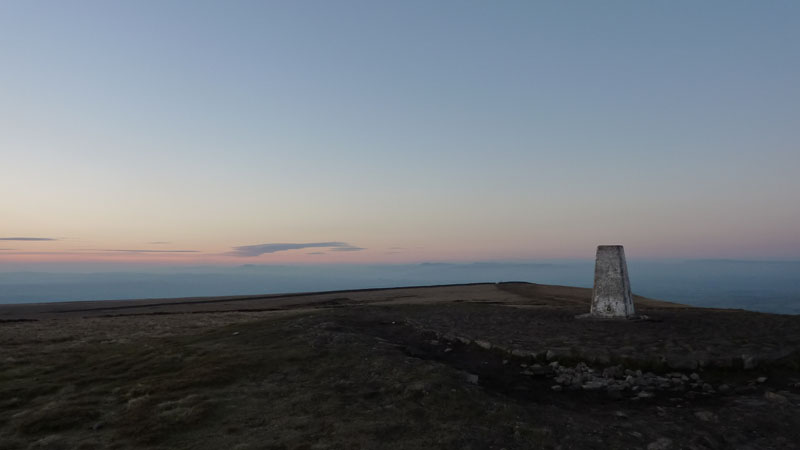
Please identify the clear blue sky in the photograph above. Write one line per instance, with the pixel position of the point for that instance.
(398, 131)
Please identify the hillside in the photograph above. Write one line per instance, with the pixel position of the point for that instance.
(466, 366)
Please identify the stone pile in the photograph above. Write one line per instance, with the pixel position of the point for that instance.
(618, 381)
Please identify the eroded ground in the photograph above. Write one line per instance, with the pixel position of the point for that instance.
(483, 366)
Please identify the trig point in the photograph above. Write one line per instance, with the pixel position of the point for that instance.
(611, 296)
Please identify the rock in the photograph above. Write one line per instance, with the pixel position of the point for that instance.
(723, 388)
(645, 394)
(594, 385)
(749, 361)
(523, 353)
(235, 333)
(483, 344)
(706, 416)
(761, 379)
(613, 372)
(660, 444)
(471, 378)
(773, 397)
(694, 376)
(448, 350)
(418, 387)
(556, 353)
(557, 388)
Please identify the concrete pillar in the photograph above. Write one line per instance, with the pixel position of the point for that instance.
(611, 296)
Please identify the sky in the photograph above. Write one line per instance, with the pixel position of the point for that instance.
(315, 132)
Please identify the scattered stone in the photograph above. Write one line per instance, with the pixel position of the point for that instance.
(777, 398)
(483, 344)
(749, 361)
(555, 353)
(594, 385)
(471, 378)
(706, 416)
(417, 387)
(612, 372)
(235, 333)
(448, 350)
(645, 394)
(523, 353)
(694, 376)
(557, 388)
(761, 379)
(660, 444)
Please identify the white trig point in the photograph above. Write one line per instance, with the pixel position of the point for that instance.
(611, 296)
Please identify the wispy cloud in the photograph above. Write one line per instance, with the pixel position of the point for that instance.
(148, 251)
(27, 239)
(48, 253)
(6, 249)
(159, 242)
(315, 253)
(260, 249)
(349, 248)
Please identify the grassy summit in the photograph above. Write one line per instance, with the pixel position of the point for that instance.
(480, 366)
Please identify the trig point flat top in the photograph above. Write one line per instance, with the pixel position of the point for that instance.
(611, 296)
